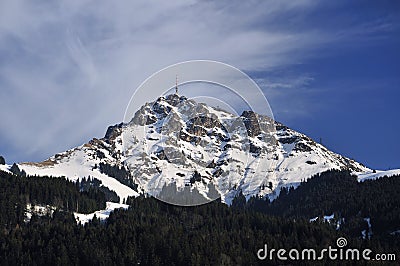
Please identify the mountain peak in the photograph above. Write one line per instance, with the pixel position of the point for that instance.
(177, 144)
(173, 99)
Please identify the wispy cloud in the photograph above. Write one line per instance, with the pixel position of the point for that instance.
(68, 68)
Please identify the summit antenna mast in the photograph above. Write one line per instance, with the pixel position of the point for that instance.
(176, 85)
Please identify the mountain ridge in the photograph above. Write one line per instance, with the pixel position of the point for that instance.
(175, 140)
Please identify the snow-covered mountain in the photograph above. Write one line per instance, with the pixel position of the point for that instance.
(176, 144)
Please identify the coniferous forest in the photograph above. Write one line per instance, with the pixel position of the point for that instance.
(151, 232)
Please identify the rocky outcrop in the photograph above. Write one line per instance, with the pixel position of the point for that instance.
(113, 131)
(250, 120)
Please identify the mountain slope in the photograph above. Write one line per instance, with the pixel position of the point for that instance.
(175, 143)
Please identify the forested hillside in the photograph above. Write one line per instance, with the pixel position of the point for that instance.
(340, 195)
(154, 233)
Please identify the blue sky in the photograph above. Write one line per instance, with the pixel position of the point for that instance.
(329, 69)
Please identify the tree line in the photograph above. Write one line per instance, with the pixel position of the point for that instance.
(151, 232)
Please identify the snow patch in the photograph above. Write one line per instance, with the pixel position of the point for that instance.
(371, 175)
(101, 214)
(5, 168)
(40, 210)
(397, 232)
(364, 233)
(328, 218)
(75, 169)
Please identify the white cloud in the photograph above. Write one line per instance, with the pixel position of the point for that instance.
(68, 68)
